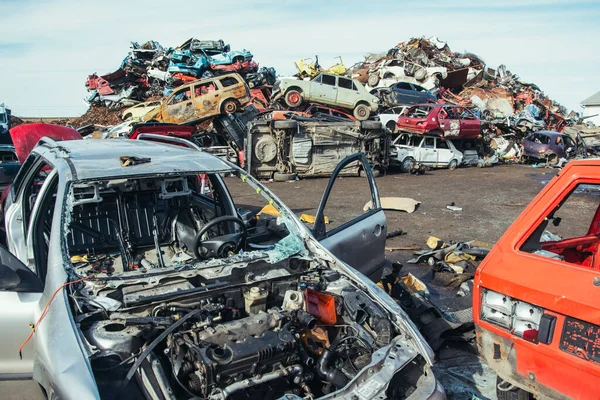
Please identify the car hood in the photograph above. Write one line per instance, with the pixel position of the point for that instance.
(26, 136)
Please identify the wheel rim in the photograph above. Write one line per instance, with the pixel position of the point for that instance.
(230, 108)
(294, 98)
(362, 112)
(406, 164)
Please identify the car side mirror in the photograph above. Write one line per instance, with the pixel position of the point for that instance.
(9, 279)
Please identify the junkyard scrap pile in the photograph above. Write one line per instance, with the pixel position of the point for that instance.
(489, 115)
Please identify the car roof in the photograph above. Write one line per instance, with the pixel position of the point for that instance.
(100, 158)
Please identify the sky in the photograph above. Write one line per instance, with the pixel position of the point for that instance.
(48, 47)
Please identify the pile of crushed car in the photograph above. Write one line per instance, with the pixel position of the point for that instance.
(418, 106)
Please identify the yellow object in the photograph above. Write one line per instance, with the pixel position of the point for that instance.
(310, 219)
(455, 257)
(269, 210)
(435, 243)
(79, 259)
(413, 284)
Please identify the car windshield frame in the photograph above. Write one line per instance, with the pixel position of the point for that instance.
(294, 244)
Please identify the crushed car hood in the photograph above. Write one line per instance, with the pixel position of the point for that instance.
(26, 136)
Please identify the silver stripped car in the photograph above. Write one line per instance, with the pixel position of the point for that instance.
(115, 244)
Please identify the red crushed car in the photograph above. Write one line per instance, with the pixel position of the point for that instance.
(440, 119)
(239, 66)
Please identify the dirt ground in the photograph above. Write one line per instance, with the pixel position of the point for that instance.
(491, 199)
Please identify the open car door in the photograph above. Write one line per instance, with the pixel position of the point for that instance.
(359, 240)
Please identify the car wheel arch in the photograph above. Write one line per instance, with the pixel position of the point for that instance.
(224, 101)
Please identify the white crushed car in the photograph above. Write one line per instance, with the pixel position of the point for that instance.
(432, 151)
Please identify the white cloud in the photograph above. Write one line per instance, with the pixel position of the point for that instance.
(551, 44)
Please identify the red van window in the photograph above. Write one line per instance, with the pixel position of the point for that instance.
(570, 232)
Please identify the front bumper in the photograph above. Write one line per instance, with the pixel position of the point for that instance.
(502, 356)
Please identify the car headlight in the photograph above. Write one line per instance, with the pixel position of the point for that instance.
(520, 318)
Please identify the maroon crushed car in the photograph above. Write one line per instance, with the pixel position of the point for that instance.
(444, 120)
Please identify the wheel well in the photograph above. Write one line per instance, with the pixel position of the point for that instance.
(362, 102)
(294, 88)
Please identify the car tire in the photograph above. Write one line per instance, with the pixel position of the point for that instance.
(370, 125)
(361, 112)
(406, 163)
(293, 98)
(391, 125)
(285, 124)
(281, 177)
(373, 80)
(363, 174)
(551, 159)
(513, 394)
(452, 165)
(229, 106)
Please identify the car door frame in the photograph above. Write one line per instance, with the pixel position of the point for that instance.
(469, 127)
(370, 228)
(23, 301)
(323, 92)
(189, 103)
(428, 155)
(19, 307)
(350, 95)
(441, 161)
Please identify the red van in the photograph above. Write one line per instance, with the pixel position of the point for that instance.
(536, 297)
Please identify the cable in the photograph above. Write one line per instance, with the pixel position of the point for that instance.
(45, 311)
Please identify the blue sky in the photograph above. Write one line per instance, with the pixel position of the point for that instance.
(47, 48)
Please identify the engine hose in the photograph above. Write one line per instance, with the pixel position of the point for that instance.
(292, 370)
(331, 375)
(155, 343)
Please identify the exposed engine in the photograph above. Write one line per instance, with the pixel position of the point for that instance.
(306, 333)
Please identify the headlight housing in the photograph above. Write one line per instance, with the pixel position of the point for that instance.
(520, 318)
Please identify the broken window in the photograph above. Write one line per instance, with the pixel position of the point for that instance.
(318, 79)
(429, 143)
(416, 141)
(180, 97)
(419, 112)
(328, 80)
(540, 138)
(403, 85)
(33, 188)
(204, 88)
(450, 113)
(7, 156)
(145, 223)
(229, 81)
(570, 232)
(345, 83)
(442, 144)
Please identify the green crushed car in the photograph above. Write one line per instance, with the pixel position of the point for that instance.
(327, 89)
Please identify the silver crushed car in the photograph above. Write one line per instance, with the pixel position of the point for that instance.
(147, 278)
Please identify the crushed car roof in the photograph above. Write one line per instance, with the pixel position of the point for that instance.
(100, 159)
